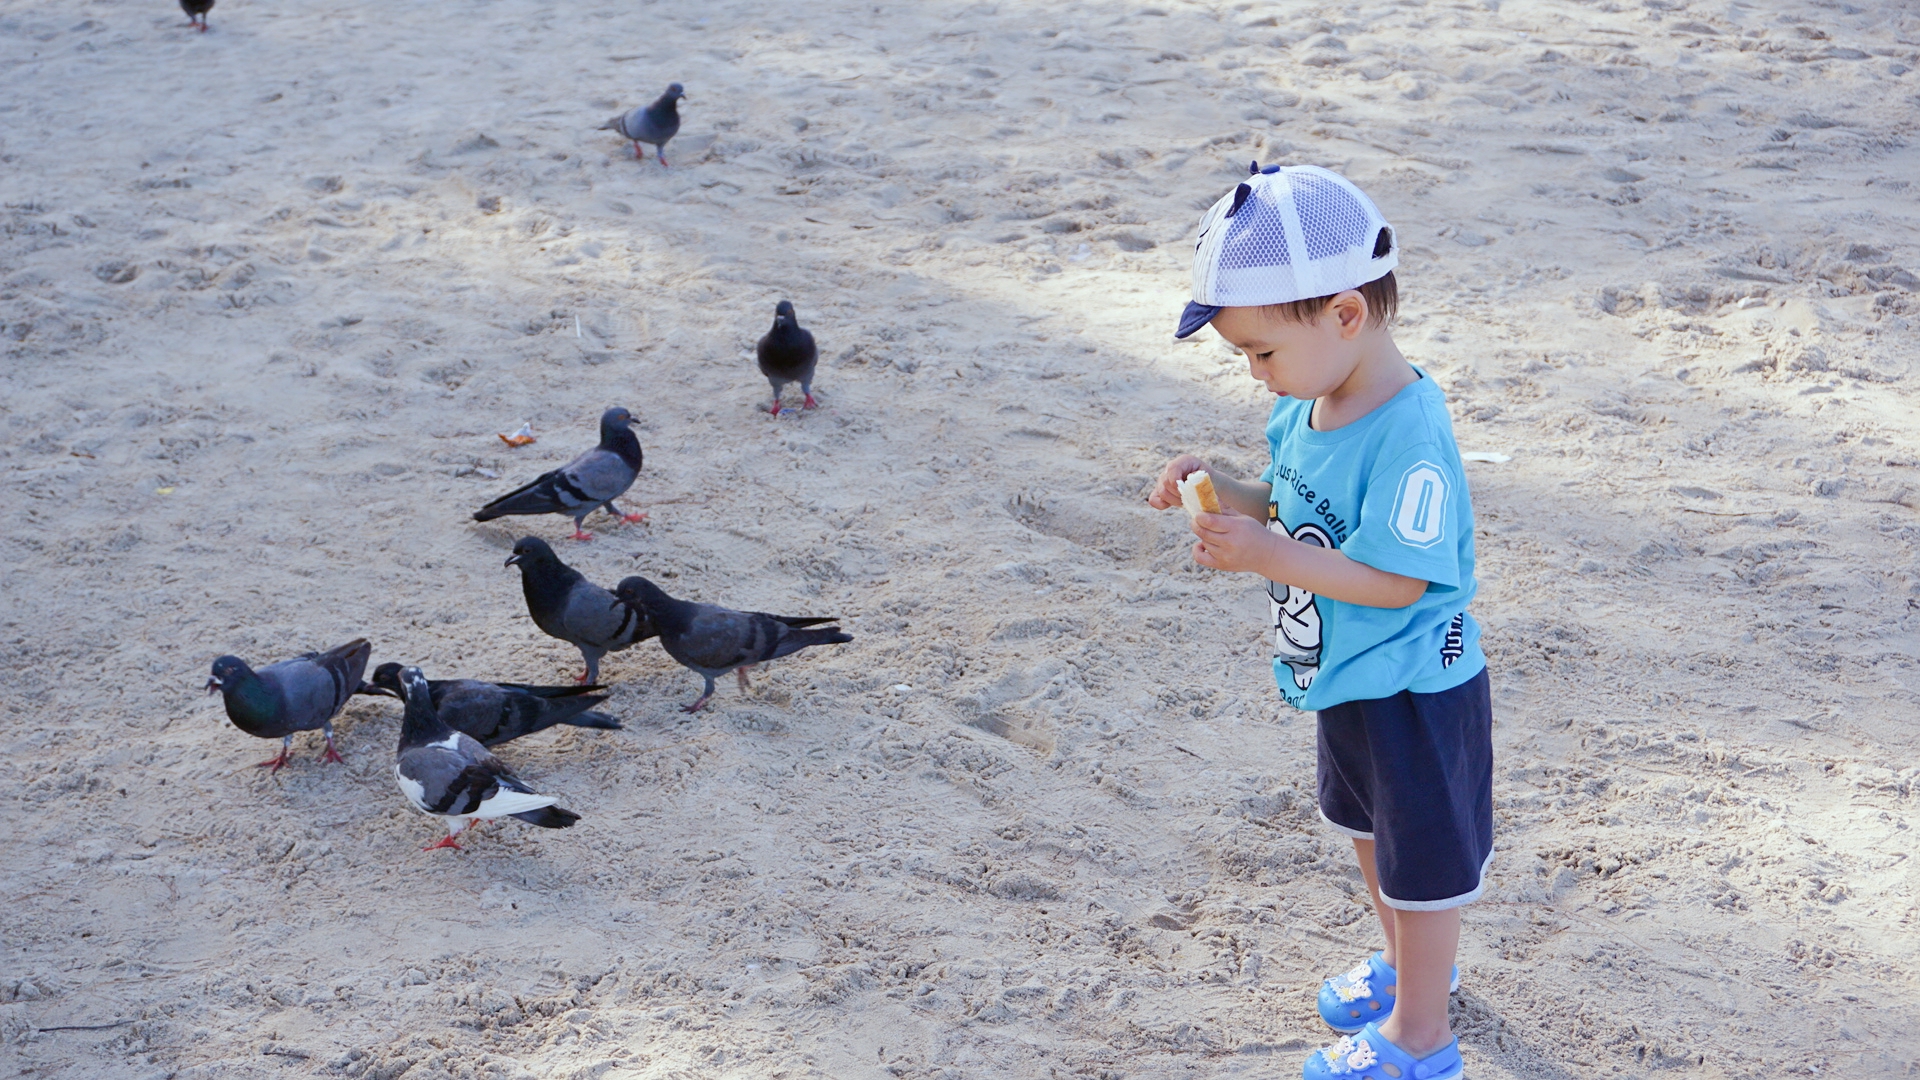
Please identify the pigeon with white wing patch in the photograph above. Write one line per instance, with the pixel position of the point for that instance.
(448, 774)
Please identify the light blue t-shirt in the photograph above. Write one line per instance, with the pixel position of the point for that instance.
(1388, 491)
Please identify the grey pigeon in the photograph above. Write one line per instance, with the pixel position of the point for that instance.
(197, 12)
(788, 354)
(501, 712)
(446, 773)
(568, 606)
(301, 694)
(587, 483)
(715, 640)
(655, 123)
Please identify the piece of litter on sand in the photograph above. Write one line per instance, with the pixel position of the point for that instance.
(902, 688)
(576, 326)
(1488, 456)
(522, 437)
(163, 491)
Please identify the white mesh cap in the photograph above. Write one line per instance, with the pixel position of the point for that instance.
(1286, 233)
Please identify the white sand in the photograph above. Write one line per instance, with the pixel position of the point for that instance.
(1044, 817)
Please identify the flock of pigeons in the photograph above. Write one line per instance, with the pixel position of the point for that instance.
(443, 764)
(444, 767)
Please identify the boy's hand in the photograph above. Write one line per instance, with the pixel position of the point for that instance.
(1231, 541)
(1165, 494)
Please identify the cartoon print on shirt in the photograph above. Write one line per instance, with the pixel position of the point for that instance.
(1296, 614)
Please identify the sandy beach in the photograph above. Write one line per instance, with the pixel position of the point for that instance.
(268, 293)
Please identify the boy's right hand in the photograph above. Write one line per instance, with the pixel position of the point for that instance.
(1166, 494)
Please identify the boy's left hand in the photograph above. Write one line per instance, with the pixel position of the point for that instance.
(1231, 541)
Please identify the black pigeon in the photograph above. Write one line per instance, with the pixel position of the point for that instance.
(501, 712)
(655, 123)
(589, 482)
(446, 773)
(788, 354)
(715, 640)
(197, 12)
(301, 694)
(571, 608)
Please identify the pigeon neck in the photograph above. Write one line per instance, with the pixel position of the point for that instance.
(546, 584)
(421, 724)
(251, 703)
(622, 441)
(667, 614)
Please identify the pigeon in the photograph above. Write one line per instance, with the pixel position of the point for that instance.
(655, 123)
(788, 354)
(591, 481)
(573, 609)
(715, 640)
(445, 772)
(501, 712)
(197, 12)
(293, 695)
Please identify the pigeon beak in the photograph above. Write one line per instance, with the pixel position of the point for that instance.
(213, 685)
(511, 559)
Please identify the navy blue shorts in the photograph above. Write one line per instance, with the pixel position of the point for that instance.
(1414, 774)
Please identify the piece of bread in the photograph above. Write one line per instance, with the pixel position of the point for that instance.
(1197, 494)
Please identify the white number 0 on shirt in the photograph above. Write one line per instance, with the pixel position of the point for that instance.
(1420, 506)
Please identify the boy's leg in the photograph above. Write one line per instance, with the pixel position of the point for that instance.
(1363, 850)
(1427, 942)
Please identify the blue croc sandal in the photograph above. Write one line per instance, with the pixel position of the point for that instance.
(1353, 999)
(1369, 1056)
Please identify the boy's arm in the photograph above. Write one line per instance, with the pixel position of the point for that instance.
(1238, 542)
(1250, 497)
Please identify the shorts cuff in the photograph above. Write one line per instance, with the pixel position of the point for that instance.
(1462, 900)
(1343, 830)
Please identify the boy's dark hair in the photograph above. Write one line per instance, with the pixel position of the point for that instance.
(1382, 295)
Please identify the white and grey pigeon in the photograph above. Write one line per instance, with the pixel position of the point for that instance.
(655, 123)
(566, 605)
(713, 640)
(301, 694)
(448, 774)
(587, 483)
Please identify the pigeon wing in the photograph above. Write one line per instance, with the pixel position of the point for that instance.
(543, 494)
(314, 687)
(441, 780)
(596, 477)
(524, 714)
(474, 707)
(716, 639)
(593, 616)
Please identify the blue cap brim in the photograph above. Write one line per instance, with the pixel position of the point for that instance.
(1196, 316)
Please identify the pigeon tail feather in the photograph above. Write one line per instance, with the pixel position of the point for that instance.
(801, 639)
(549, 817)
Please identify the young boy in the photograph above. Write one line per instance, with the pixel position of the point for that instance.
(1362, 527)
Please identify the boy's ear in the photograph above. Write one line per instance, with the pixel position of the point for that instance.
(1351, 309)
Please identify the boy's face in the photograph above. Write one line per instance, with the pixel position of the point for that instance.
(1302, 360)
